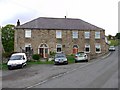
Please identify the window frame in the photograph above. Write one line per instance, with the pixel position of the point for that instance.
(87, 35)
(58, 34)
(87, 46)
(97, 35)
(75, 34)
(97, 45)
(27, 45)
(28, 33)
(60, 46)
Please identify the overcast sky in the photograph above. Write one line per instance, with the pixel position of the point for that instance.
(102, 13)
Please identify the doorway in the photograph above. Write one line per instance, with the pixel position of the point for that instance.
(43, 50)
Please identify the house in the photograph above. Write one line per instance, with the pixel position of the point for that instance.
(44, 35)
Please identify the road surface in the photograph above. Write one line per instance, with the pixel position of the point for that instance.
(98, 73)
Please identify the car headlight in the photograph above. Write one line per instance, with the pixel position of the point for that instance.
(56, 59)
(65, 59)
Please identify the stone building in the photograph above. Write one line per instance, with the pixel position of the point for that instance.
(44, 35)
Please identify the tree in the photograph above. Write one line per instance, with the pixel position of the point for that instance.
(109, 37)
(8, 38)
(117, 36)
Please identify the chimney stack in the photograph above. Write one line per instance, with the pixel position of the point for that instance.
(18, 23)
(65, 17)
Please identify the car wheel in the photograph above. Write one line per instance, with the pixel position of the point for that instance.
(75, 61)
(9, 68)
(86, 60)
(66, 63)
(22, 65)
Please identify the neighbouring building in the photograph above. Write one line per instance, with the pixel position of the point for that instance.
(44, 35)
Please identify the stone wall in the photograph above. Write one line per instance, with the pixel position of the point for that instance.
(49, 37)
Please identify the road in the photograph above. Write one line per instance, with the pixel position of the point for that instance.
(98, 73)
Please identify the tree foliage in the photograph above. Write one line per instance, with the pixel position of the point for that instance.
(117, 35)
(8, 38)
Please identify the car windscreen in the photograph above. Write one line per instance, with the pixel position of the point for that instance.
(80, 54)
(59, 56)
(16, 57)
(111, 46)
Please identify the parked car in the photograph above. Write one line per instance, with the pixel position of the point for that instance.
(81, 56)
(17, 60)
(60, 58)
(112, 48)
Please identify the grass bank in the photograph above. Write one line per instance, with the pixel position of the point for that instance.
(114, 42)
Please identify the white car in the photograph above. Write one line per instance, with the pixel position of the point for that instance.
(17, 60)
(81, 56)
(111, 48)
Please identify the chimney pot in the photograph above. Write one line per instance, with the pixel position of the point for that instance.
(18, 23)
(65, 17)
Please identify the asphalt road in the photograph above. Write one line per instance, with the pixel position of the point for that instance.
(98, 73)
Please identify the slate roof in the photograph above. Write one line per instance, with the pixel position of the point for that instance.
(58, 24)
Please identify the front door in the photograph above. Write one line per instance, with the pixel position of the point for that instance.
(43, 50)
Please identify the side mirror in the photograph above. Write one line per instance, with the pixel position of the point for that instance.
(23, 58)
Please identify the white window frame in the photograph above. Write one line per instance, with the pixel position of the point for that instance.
(87, 46)
(27, 45)
(58, 34)
(27, 33)
(97, 45)
(58, 46)
(87, 35)
(97, 35)
(74, 34)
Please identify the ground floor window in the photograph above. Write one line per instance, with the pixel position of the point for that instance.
(87, 48)
(27, 47)
(97, 48)
(59, 48)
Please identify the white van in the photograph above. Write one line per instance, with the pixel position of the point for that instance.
(17, 60)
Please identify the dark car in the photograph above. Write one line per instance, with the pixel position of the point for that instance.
(60, 58)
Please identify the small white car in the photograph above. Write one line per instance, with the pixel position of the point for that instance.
(112, 48)
(81, 56)
(17, 60)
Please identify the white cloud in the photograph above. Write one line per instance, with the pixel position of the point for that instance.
(102, 13)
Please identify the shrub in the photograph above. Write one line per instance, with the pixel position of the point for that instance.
(52, 53)
(36, 56)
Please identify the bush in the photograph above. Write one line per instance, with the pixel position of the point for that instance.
(52, 53)
(36, 56)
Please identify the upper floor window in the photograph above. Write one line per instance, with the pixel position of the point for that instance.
(58, 34)
(97, 48)
(87, 35)
(75, 34)
(97, 35)
(28, 33)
